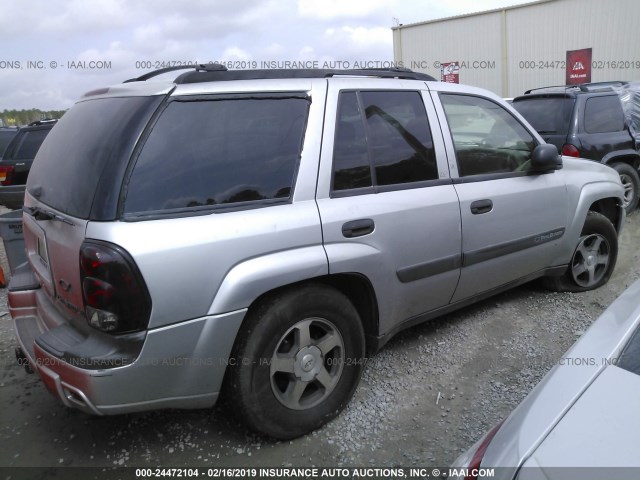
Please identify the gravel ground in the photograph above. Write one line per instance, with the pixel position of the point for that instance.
(426, 397)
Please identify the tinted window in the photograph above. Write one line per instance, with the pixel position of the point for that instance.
(30, 144)
(603, 114)
(393, 137)
(91, 138)
(487, 138)
(219, 152)
(5, 137)
(351, 165)
(549, 116)
(630, 357)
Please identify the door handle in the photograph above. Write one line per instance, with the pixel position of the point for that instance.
(481, 206)
(358, 228)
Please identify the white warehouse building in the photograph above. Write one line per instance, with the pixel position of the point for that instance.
(513, 49)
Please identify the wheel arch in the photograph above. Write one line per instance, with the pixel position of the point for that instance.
(629, 157)
(610, 208)
(355, 286)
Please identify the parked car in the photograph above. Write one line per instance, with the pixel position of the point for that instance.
(17, 161)
(583, 414)
(253, 234)
(587, 121)
(6, 134)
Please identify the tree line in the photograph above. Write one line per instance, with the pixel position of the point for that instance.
(18, 118)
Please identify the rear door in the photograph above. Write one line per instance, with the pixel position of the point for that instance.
(511, 220)
(387, 205)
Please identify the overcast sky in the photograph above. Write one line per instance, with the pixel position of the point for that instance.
(48, 46)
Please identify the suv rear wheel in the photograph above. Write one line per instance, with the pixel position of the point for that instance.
(631, 183)
(298, 361)
(593, 259)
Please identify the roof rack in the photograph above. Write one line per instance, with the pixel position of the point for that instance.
(215, 72)
(202, 67)
(44, 121)
(564, 87)
(584, 87)
(601, 86)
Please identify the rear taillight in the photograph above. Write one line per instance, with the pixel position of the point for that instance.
(480, 450)
(115, 296)
(570, 150)
(6, 175)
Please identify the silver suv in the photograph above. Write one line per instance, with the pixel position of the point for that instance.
(255, 234)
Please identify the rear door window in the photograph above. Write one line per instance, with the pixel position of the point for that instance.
(219, 152)
(382, 139)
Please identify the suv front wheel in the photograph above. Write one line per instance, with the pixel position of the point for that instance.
(631, 184)
(593, 259)
(297, 361)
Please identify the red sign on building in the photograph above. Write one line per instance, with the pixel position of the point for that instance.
(578, 66)
(450, 72)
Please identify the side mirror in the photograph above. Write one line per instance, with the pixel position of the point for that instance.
(545, 158)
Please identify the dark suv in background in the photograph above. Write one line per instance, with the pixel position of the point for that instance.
(587, 121)
(17, 159)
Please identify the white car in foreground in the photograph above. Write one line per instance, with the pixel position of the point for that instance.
(583, 419)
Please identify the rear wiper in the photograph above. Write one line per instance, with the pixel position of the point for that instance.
(40, 214)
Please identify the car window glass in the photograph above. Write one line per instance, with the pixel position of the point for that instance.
(630, 357)
(399, 137)
(219, 152)
(76, 163)
(396, 142)
(603, 115)
(351, 166)
(549, 116)
(487, 138)
(5, 138)
(30, 144)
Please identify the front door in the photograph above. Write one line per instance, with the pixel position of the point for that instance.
(512, 219)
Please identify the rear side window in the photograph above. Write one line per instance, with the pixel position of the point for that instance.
(30, 144)
(548, 116)
(382, 138)
(219, 152)
(603, 115)
(5, 138)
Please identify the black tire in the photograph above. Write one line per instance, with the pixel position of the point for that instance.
(291, 327)
(631, 183)
(598, 240)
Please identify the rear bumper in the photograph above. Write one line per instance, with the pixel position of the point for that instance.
(177, 366)
(12, 196)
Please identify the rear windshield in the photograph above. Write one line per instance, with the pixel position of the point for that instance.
(550, 116)
(219, 152)
(92, 138)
